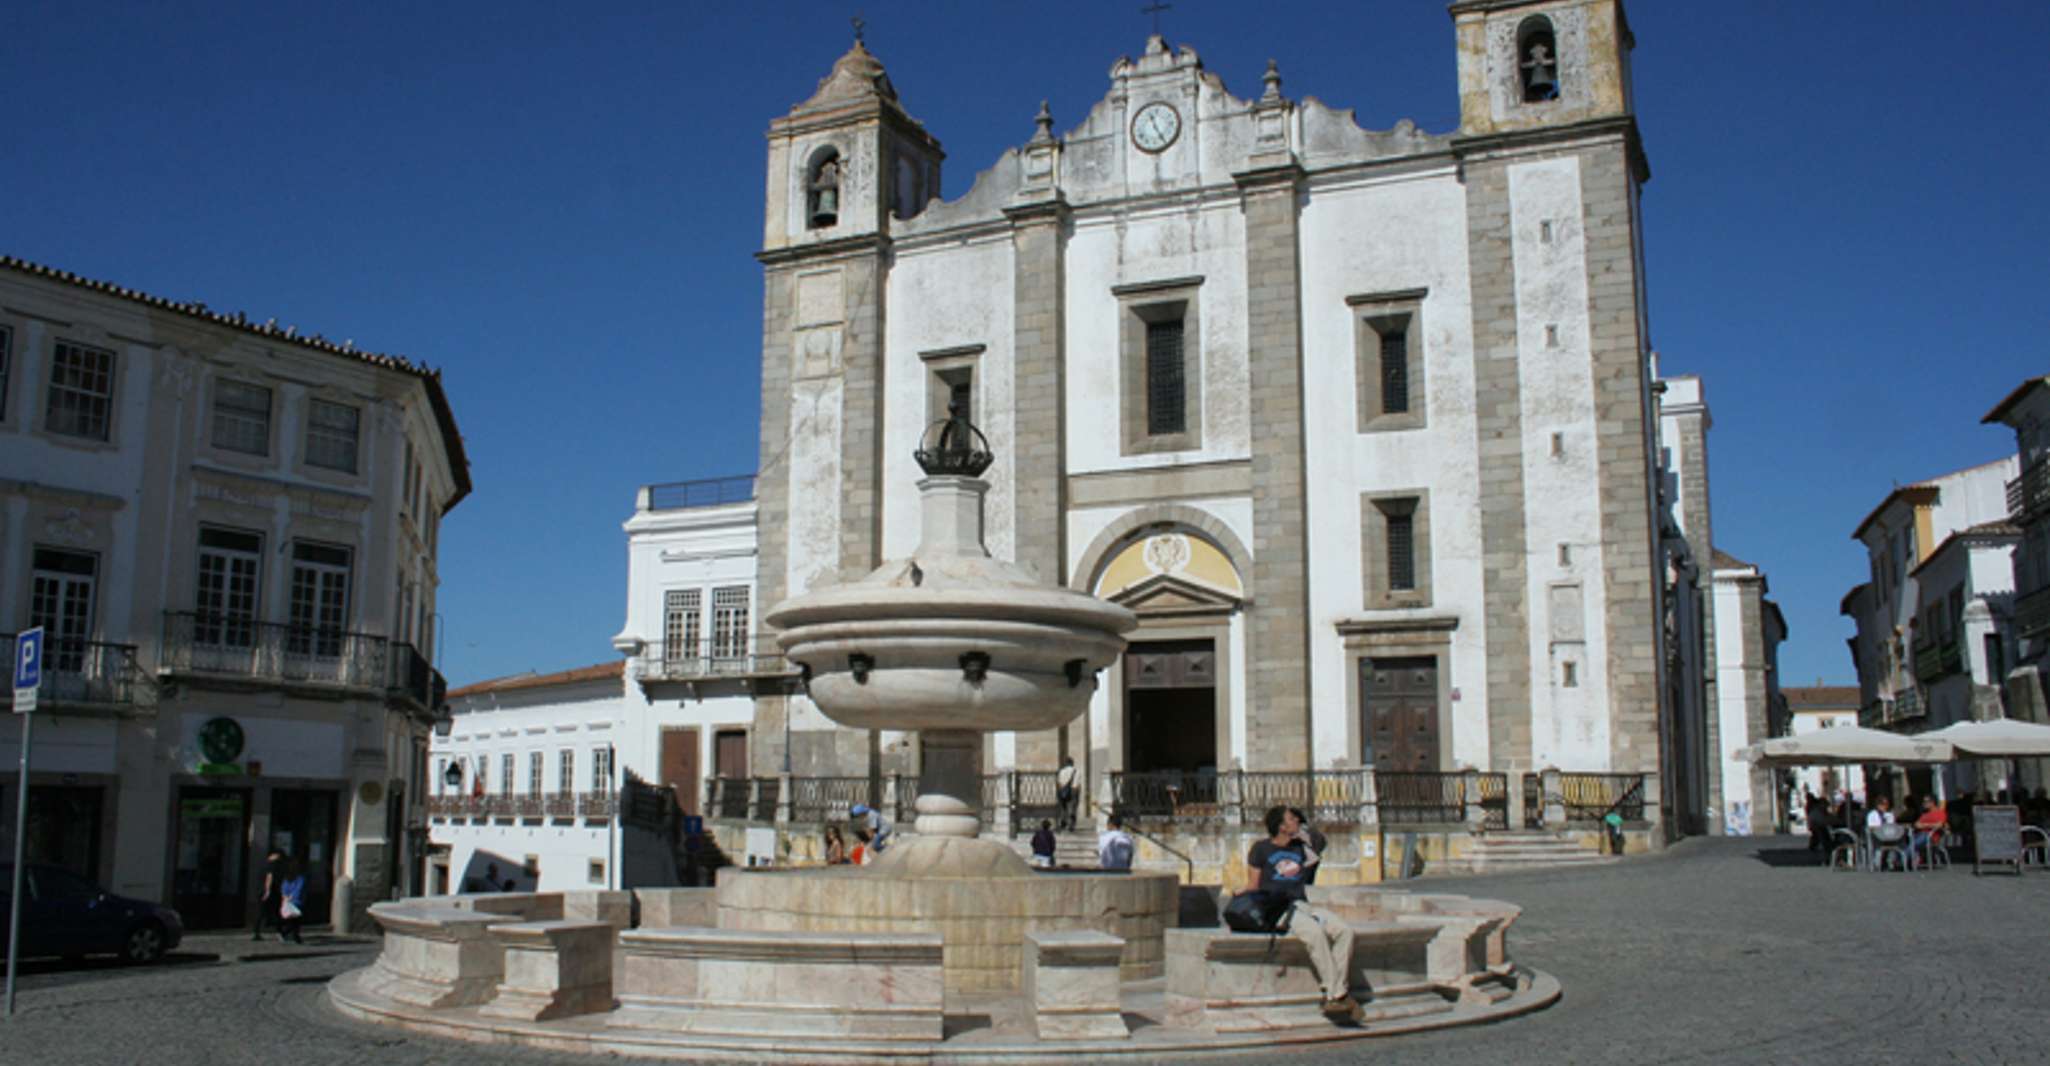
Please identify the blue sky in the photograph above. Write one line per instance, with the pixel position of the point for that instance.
(1846, 226)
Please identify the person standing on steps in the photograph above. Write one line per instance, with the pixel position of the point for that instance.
(1114, 846)
(1066, 794)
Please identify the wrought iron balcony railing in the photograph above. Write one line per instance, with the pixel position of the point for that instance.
(757, 656)
(85, 673)
(2032, 613)
(225, 646)
(415, 680)
(1936, 661)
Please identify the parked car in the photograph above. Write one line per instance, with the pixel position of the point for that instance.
(70, 916)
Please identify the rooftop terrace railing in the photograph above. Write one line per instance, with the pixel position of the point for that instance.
(704, 492)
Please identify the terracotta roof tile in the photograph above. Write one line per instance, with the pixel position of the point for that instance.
(1821, 697)
(600, 672)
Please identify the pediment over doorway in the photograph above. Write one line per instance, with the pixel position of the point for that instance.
(1168, 595)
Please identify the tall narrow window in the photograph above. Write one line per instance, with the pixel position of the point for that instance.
(1165, 400)
(319, 613)
(331, 433)
(506, 768)
(566, 772)
(601, 771)
(81, 400)
(1394, 370)
(1401, 552)
(729, 622)
(6, 367)
(241, 421)
(682, 625)
(230, 569)
(536, 764)
(61, 602)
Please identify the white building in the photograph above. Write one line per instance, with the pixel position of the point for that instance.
(1389, 390)
(1812, 708)
(539, 761)
(228, 531)
(1934, 620)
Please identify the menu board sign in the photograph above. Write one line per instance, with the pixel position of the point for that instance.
(1996, 836)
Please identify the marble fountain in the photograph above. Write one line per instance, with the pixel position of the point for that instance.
(949, 948)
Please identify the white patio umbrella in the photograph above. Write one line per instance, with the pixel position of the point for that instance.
(2002, 738)
(1848, 744)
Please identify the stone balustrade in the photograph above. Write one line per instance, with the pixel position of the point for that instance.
(855, 987)
(675, 908)
(1071, 986)
(553, 970)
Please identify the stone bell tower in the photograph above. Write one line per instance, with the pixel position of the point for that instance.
(842, 166)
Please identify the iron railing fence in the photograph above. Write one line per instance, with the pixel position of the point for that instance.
(729, 798)
(1329, 797)
(768, 790)
(228, 646)
(1494, 799)
(1174, 795)
(1412, 797)
(1533, 801)
(2029, 493)
(826, 799)
(76, 670)
(1035, 797)
(703, 492)
(755, 655)
(415, 679)
(1590, 797)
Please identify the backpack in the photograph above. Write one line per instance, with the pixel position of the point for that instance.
(1257, 912)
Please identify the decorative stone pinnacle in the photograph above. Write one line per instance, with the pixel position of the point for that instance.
(1044, 120)
(1273, 80)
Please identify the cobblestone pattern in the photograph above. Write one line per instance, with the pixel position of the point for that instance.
(1713, 952)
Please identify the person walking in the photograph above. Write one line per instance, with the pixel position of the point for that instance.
(292, 903)
(1066, 794)
(1044, 846)
(1114, 846)
(1280, 866)
(267, 903)
(1818, 826)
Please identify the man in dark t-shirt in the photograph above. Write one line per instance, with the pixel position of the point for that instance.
(1284, 865)
(267, 904)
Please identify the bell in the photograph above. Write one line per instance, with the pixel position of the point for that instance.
(826, 211)
(1541, 73)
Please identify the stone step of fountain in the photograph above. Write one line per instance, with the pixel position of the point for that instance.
(1532, 849)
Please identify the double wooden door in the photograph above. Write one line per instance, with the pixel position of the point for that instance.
(1400, 702)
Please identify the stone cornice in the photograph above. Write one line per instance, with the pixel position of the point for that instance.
(1437, 623)
(1625, 126)
(1262, 179)
(845, 247)
(1050, 209)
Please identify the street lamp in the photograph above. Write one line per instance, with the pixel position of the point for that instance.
(453, 776)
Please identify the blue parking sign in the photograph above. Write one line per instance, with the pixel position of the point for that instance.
(28, 668)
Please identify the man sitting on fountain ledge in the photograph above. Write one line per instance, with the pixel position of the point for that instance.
(1281, 866)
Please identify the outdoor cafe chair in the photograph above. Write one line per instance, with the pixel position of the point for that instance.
(2035, 847)
(1888, 840)
(1846, 852)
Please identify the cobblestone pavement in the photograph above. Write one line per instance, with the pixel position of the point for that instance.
(1719, 951)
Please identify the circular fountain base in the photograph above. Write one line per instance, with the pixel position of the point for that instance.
(929, 885)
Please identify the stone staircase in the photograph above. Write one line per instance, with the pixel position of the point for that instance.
(1501, 851)
(1074, 850)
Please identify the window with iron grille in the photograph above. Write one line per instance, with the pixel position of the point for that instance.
(241, 421)
(729, 622)
(230, 579)
(319, 611)
(505, 774)
(601, 771)
(331, 435)
(1165, 398)
(566, 772)
(1401, 552)
(6, 367)
(61, 602)
(1394, 370)
(536, 768)
(81, 400)
(682, 625)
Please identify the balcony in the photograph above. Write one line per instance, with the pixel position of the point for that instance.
(415, 684)
(759, 658)
(1907, 706)
(87, 674)
(1934, 662)
(267, 653)
(2029, 494)
(706, 492)
(2032, 613)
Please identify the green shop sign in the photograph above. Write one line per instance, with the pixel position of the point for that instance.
(220, 741)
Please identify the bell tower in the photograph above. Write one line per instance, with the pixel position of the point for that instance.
(843, 166)
(1530, 63)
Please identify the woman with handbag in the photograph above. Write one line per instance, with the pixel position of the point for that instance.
(292, 901)
(1278, 869)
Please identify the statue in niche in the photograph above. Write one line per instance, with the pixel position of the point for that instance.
(825, 194)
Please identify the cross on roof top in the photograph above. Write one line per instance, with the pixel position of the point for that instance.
(1154, 9)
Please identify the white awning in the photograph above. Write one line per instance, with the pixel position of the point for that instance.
(2000, 738)
(1849, 744)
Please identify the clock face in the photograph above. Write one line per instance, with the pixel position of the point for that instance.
(1155, 127)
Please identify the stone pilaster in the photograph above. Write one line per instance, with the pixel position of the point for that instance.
(1625, 435)
(1498, 403)
(1278, 623)
(1700, 532)
(1038, 457)
(772, 498)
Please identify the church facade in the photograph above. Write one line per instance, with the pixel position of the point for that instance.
(1361, 423)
